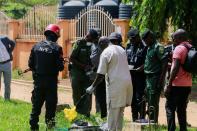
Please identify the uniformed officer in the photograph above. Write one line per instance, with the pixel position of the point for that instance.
(81, 71)
(136, 53)
(154, 68)
(100, 93)
(45, 61)
(116, 38)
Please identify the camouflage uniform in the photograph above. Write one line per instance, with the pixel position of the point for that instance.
(153, 69)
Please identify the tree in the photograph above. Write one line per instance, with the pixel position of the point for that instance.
(157, 14)
(17, 8)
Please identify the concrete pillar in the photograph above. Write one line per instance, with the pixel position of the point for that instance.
(13, 32)
(124, 26)
(13, 29)
(63, 42)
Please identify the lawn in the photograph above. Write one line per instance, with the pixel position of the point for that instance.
(26, 76)
(14, 116)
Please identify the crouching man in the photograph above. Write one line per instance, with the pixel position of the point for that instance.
(45, 61)
(113, 65)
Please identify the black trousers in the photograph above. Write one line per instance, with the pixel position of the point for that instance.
(138, 105)
(45, 90)
(177, 101)
(79, 85)
(100, 94)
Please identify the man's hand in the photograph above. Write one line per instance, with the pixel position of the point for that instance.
(90, 89)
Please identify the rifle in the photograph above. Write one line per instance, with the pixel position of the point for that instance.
(66, 60)
(23, 72)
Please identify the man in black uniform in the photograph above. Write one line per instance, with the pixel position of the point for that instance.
(45, 61)
(81, 71)
(136, 54)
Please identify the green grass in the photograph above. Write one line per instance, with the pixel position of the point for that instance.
(14, 116)
(25, 76)
(194, 79)
(163, 128)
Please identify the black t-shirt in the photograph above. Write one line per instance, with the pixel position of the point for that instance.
(136, 54)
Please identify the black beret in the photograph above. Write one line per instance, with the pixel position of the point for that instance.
(93, 33)
(132, 33)
(146, 33)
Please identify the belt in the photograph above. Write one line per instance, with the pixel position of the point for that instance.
(3, 62)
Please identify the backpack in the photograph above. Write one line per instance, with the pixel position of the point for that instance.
(190, 64)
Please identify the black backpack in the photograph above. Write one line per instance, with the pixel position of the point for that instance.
(190, 64)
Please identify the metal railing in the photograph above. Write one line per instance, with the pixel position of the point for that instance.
(35, 21)
(88, 18)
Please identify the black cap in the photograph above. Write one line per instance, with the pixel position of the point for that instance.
(103, 40)
(179, 33)
(93, 33)
(98, 31)
(119, 37)
(132, 33)
(115, 36)
(146, 33)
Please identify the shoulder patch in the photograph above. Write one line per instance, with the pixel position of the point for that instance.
(161, 49)
(75, 45)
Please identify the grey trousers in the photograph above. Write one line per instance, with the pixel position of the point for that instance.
(5, 69)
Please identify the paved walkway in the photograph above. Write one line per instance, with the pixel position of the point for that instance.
(22, 91)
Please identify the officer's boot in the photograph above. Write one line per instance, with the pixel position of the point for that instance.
(34, 128)
(34, 125)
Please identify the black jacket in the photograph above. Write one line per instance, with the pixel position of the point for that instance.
(9, 44)
(46, 59)
(136, 55)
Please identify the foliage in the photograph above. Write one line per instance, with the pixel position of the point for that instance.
(17, 8)
(194, 78)
(14, 10)
(157, 14)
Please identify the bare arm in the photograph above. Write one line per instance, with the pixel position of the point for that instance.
(140, 69)
(174, 70)
(173, 73)
(98, 80)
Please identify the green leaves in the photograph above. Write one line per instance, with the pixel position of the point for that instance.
(17, 8)
(14, 10)
(157, 14)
